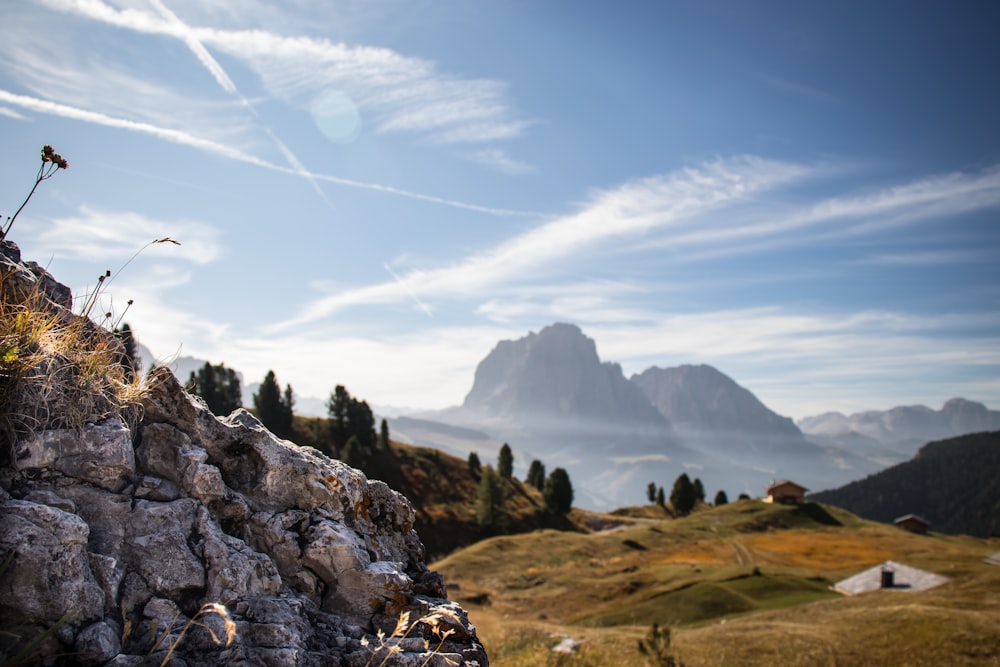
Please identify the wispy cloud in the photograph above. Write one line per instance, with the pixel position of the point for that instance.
(768, 227)
(499, 159)
(623, 213)
(10, 113)
(230, 152)
(402, 93)
(98, 236)
(934, 257)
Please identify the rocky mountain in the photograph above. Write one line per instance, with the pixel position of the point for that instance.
(556, 376)
(701, 398)
(953, 483)
(552, 398)
(136, 527)
(897, 433)
(713, 414)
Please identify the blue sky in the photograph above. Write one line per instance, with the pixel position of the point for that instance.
(804, 195)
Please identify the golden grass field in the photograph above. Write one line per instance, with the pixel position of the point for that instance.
(744, 584)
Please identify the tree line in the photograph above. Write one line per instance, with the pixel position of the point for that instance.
(685, 495)
(491, 494)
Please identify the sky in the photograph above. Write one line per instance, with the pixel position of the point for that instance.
(375, 192)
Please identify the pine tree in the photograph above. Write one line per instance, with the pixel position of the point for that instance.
(536, 474)
(353, 455)
(474, 466)
(721, 499)
(362, 424)
(288, 411)
(270, 406)
(218, 386)
(558, 492)
(383, 436)
(491, 513)
(505, 462)
(699, 490)
(337, 408)
(651, 492)
(348, 416)
(661, 498)
(682, 497)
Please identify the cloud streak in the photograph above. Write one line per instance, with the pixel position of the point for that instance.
(632, 210)
(97, 236)
(403, 94)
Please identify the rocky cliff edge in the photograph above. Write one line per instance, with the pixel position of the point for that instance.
(121, 536)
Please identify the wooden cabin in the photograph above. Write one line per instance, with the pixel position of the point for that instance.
(913, 523)
(786, 492)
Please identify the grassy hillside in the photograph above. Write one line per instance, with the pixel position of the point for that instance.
(743, 584)
(954, 483)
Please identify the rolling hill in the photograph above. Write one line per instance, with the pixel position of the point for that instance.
(743, 584)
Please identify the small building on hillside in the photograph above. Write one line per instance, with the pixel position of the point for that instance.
(913, 523)
(891, 576)
(785, 492)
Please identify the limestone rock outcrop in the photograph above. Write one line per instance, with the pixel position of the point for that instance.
(125, 542)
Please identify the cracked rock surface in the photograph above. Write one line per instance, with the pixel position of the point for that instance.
(117, 538)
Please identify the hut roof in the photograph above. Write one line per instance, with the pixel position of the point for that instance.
(905, 578)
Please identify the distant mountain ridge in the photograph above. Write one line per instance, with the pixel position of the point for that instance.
(551, 397)
(903, 429)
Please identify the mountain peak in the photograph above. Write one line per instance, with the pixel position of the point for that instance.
(556, 374)
(704, 398)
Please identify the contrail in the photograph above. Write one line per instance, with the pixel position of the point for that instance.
(187, 35)
(420, 304)
(183, 138)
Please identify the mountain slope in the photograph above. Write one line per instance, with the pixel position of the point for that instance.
(954, 484)
(716, 416)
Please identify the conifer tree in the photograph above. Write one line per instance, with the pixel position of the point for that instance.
(353, 455)
(348, 416)
(474, 465)
(536, 474)
(661, 498)
(288, 409)
(491, 513)
(218, 386)
(558, 492)
(274, 410)
(721, 499)
(651, 492)
(383, 436)
(699, 490)
(337, 410)
(505, 462)
(682, 497)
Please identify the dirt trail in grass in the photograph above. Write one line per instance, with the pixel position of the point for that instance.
(743, 555)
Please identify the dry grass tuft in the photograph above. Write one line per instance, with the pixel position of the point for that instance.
(57, 370)
(441, 622)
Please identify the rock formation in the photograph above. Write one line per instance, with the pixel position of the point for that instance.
(161, 529)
